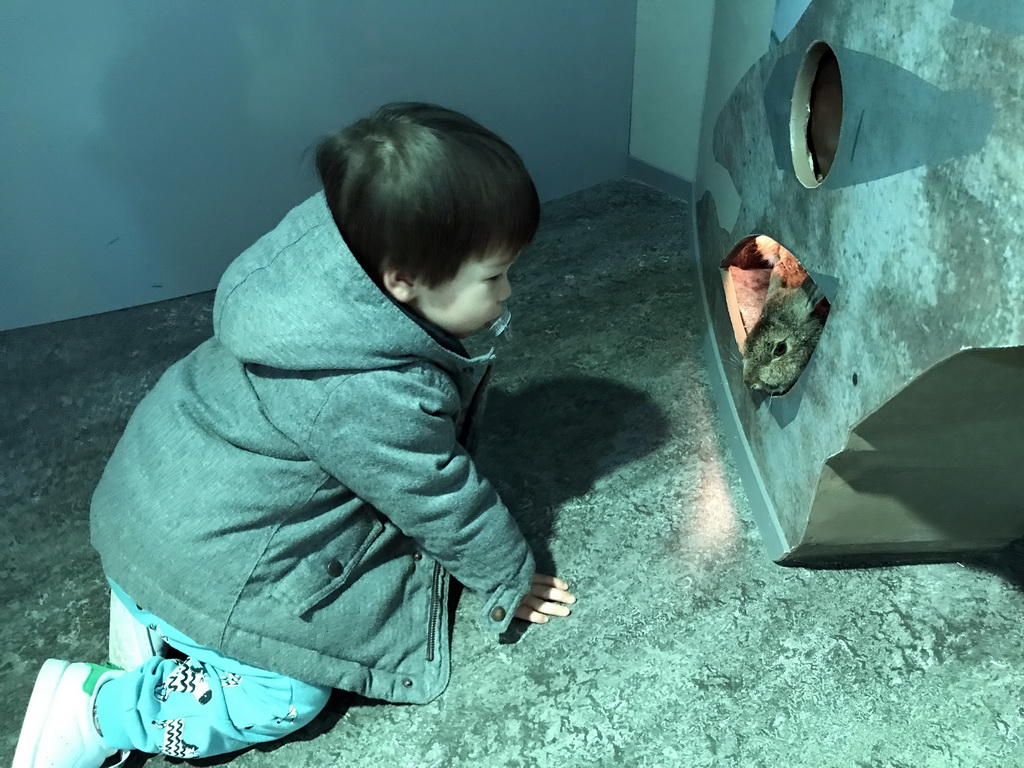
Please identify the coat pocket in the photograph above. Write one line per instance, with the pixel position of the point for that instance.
(328, 570)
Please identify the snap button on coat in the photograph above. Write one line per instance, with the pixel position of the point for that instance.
(498, 613)
(335, 569)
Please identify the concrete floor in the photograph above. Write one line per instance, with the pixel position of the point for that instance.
(688, 647)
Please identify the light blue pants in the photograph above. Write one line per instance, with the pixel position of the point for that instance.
(206, 705)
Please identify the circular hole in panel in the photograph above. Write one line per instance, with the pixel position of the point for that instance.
(816, 116)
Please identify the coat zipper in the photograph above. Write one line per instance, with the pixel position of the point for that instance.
(435, 611)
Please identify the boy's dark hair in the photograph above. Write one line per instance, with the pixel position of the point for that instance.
(423, 189)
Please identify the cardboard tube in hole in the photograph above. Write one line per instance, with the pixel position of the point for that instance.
(816, 115)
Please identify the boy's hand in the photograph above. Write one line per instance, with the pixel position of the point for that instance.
(544, 600)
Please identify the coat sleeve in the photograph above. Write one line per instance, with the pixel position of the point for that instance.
(390, 437)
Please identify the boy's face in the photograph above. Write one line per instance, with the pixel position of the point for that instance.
(470, 301)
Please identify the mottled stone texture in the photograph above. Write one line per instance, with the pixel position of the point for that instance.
(688, 647)
(914, 235)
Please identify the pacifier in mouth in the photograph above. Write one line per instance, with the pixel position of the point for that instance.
(500, 325)
(484, 341)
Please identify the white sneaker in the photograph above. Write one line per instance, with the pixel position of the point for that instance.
(130, 643)
(59, 730)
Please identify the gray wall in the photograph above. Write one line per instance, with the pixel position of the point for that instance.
(144, 145)
(673, 40)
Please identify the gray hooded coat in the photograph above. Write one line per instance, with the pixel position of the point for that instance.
(295, 492)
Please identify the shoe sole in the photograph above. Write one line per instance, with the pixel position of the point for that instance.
(39, 705)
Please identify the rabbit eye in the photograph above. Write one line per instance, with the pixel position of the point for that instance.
(780, 349)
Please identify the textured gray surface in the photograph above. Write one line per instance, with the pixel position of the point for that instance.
(688, 647)
(915, 231)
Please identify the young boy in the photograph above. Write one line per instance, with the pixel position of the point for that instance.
(286, 505)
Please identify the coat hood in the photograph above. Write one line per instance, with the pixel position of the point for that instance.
(297, 299)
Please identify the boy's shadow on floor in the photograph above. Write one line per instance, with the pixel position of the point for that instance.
(540, 447)
(550, 442)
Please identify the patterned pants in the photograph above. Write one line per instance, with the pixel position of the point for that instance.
(204, 705)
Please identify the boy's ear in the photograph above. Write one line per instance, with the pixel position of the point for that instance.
(399, 285)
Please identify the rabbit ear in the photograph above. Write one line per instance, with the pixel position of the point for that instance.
(812, 293)
(821, 309)
(798, 303)
(817, 305)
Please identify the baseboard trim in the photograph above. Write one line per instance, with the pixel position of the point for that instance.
(663, 181)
